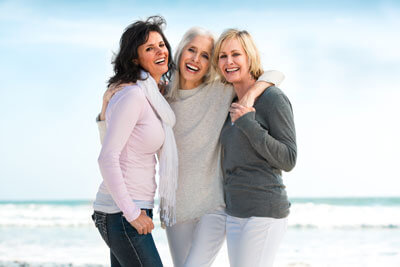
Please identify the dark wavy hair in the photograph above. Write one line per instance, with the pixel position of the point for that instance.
(134, 36)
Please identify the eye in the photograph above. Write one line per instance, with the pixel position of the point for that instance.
(222, 56)
(162, 44)
(236, 54)
(149, 49)
(205, 56)
(190, 49)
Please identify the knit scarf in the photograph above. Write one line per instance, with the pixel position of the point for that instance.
(168, 153)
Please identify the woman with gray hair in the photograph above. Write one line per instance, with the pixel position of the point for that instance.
(201, 103)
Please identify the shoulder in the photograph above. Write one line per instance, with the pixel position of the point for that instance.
(273, 94)
(133, 91)
(130, 97)
(128, 93)
(273, 99)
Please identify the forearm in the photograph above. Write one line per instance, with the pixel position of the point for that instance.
(280, 154)
(113, 178)
(102, 127)
(102, 115)
(269, 78)
(274, 77)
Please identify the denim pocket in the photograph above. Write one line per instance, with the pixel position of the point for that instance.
(100, 221)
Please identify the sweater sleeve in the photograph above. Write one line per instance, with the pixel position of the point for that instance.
(277, 144)
(272, 76)
(102, 127)
(123, 118)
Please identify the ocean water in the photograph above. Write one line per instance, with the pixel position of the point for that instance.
(322, 232)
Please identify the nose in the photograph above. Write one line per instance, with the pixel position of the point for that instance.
(158, 50)
(229, 60)
(196, 57)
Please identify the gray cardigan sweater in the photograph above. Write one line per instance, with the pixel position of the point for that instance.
(254, 151)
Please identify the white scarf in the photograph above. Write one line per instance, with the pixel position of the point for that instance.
(168, 153)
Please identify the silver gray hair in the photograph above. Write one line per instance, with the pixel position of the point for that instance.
(192, 33)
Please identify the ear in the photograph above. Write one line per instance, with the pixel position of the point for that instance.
(135, 61)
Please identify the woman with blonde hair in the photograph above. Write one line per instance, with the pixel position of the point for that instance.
(257, 144)
(201, 104)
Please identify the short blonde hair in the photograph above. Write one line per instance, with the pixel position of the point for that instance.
(249, 47)
(186, 39)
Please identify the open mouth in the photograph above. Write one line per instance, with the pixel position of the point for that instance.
(230, 70)
(160, 61)
(192, 68)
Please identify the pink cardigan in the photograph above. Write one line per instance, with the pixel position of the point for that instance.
(127, 158)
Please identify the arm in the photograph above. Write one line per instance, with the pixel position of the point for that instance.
(277, 144)
(126, 111)
(269, 78)
(101, 125)
(100, 119)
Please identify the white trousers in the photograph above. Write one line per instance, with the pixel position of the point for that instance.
(254, 241)
(197, 243)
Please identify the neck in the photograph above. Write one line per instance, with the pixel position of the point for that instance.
(187, 85)
(243, 86)
(156, 78)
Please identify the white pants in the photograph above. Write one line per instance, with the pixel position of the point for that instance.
(197, 243)
(254, 241)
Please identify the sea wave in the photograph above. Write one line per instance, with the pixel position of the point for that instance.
(44, 264)
(302, 215)
(310, 215)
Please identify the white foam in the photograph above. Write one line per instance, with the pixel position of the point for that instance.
(302, 215)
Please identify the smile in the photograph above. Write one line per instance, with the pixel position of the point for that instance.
(160, 61)
(192, 68)
(231, 70)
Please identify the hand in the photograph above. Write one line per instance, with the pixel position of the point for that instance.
(143, 224)
(255, 91)
(111, 90)
(236, 111)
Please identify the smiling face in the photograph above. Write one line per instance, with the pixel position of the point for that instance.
(153, 56)
(233, 62)
(195, 61)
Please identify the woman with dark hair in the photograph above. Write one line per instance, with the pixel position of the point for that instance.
(139, 125)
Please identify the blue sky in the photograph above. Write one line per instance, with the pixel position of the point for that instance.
(341, 60)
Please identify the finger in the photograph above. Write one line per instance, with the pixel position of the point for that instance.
(233, 109)
(149, 229)
(112, 86)
(237, 105)
(139, 230)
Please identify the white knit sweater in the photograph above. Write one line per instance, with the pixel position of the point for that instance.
(200, 114)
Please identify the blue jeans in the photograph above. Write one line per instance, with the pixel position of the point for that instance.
(127, 246)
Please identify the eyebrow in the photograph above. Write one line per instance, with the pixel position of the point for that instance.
(155, 43)
(234, 50)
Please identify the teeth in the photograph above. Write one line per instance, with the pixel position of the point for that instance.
(160, 60)
(191, 67)
(232, 69)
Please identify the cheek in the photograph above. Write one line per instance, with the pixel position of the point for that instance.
(205, 63)
(144, 60)
(220, 65)
(166, 51)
